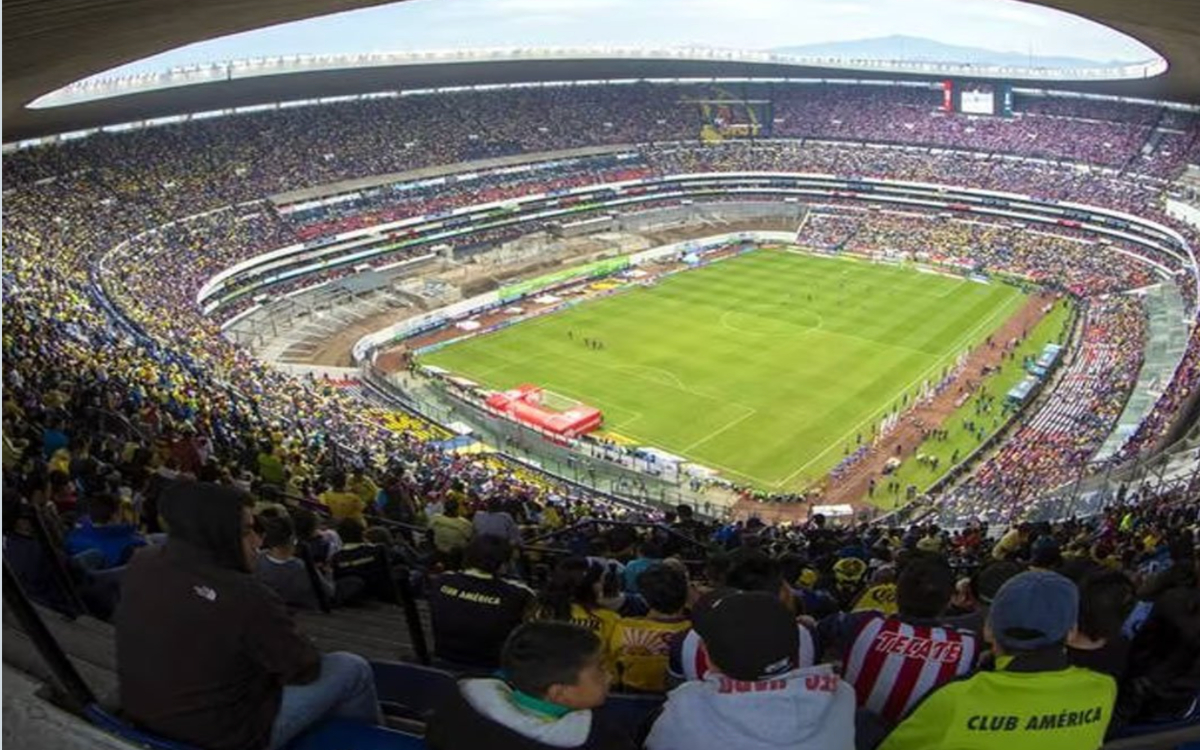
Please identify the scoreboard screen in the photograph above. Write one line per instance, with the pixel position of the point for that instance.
(978, 100)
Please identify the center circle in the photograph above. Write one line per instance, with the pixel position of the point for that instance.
(767, 319)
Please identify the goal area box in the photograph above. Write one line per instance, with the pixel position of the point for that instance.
(545, 411)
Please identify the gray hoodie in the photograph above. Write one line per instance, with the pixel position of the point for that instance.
(809, 708)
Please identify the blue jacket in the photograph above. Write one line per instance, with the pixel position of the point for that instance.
(113, 540)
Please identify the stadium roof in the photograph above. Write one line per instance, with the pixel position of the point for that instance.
(97, 35)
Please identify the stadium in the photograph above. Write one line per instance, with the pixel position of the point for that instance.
(393, 399)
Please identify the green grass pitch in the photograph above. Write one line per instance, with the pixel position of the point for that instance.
(762, 366)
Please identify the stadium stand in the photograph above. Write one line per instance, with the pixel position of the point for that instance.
(119, 392)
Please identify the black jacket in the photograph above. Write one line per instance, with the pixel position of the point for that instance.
(203, 649)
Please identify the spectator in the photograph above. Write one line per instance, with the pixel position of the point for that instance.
(363, 486)
(367, 563)
(250, 681)
(755, 697)
(474, 610)
(554, 678)
(451, 534)
(321, 543)
(751, 570)
(1034, 698)
(639, 647)
(98, 532)
(270, 466)
(1013, 542)
(894, 661)
(286, 575)
(1163, 674)
(496, 521)
(342, 503)
(1105, 600)
(649, 553)
(573, 595)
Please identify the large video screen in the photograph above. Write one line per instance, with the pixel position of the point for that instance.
(978, 100)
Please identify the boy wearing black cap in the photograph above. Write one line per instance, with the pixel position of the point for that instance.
(1033, 700)
(755, 698)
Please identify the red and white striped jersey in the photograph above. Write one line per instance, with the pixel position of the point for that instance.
(689, 659)
(893, 664)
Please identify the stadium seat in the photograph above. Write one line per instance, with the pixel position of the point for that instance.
(341, 734)
(116, 726)
(411, 691)
(1189, 718)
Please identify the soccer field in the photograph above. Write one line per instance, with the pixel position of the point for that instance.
(762, 366)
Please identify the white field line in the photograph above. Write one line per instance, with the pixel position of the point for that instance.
(954, 350)
(719, 430)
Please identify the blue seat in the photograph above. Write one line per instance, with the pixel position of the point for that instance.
(411, 691)
(113, 725)
(342, 734)
(1189, 718)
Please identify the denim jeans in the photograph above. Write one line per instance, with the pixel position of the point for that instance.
(345, 689)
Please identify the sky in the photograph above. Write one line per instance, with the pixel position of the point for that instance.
(1002, 25)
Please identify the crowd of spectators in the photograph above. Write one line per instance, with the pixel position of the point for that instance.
(864, 636)
(1052, 445)
(167, 369)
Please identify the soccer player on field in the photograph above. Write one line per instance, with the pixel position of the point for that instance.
(894, 660)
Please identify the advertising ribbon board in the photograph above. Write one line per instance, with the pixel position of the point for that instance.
(550, 280)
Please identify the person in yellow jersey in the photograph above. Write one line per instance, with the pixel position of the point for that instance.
(341, 502)
(639, 647)
(573, 595)
(1033, 700)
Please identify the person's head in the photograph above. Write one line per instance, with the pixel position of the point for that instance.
(304, 521)
(664, 588)
(1034, 610)
(557, 662)
(487, 553)
(574, 581)
(279, 535)
(214, 520)
(755, 570)
(450, 507)
(1105, 599)
(379, 535)
(749, 635)
(650, 548)
(924, 587)
(684, 512)
(102, 509)
(351, 531)
(987, 582)
(1045, 553)
(338, 481)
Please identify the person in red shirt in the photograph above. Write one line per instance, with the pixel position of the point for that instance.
(893, 661)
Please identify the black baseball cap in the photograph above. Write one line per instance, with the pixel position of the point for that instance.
(749, 635)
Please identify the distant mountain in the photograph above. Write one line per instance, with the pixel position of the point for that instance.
(918, 49)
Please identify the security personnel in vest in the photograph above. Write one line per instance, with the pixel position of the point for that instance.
(1032, 700)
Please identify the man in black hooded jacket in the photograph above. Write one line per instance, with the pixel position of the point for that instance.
(208, 655)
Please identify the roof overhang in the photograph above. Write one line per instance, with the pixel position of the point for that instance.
(102, 35)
